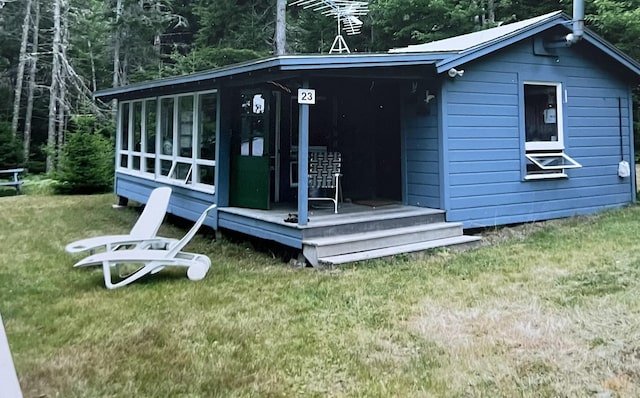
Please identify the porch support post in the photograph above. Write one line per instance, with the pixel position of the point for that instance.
(303, 161)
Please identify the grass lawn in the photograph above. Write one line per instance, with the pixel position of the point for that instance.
(552, 311)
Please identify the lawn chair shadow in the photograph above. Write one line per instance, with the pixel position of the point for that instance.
(143, 233)
(148, 260)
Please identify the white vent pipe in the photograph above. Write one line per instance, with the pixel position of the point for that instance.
(578, 22)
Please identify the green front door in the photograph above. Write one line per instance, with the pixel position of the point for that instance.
(250, 169)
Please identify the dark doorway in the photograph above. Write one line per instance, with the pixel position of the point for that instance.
(360, 118)
(369, 133)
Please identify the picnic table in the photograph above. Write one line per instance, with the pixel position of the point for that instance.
(11, 178)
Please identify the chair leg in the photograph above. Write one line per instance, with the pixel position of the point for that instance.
(336, 196)
(144, 270)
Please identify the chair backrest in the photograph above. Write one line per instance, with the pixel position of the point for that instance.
(323, 166)
(179, 245)
(153, 214)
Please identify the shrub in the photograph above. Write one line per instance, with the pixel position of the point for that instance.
(10, 148)
(86, 160)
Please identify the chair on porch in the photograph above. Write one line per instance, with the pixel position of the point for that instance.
(324, 174)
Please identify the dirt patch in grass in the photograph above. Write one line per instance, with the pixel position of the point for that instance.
(514, 346)
(522, 231)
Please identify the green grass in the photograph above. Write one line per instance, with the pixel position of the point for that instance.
(552, 311)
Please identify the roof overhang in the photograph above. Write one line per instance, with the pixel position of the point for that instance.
(301, 64)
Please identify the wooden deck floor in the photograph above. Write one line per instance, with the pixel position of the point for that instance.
(348, 213)
(357, 232)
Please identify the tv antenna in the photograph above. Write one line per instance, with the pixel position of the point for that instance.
(346, 13)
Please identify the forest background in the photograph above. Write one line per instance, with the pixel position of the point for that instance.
(55, 53)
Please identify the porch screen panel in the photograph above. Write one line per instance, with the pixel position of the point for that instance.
(166, 135)
(124, 135)
(206, 149)
(151, 114)
(207, 127)
(137, 134)
(166, 125)
(185, 126)
(156, 139)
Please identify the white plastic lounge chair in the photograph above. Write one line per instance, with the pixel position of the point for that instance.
(152, 260)
(143, 232)
(9, 384)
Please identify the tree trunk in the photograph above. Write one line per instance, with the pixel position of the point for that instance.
(116, 46)
(94, 84)
(55, 88)
(23, 60)
(124, 78)
(491, 12)
(281, 27)
(62, 92)
(32, 80)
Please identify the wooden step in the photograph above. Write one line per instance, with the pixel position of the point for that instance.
(459, 242)
(352, 223)
(364, 241)
(341, 248)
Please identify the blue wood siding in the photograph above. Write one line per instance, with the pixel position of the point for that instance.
(185, 203)
(421, 154)
(485, 139)
(291, 237)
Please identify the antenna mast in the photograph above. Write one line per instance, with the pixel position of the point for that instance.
(346, 13)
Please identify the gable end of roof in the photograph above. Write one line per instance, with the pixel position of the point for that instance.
(466, 48)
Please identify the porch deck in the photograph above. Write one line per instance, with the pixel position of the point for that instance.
(322, 216)
(357, 232)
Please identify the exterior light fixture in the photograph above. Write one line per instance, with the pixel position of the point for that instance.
(453, 72)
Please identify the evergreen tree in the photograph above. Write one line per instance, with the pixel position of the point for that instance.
(86, 161)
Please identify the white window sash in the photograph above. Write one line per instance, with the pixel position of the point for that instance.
(550, 145)
(191, 179)
(539, 160)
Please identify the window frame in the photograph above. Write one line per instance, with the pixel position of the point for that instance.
(542, 149)
(191, 179)
(547, 145)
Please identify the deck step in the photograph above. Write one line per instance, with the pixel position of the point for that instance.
(369, 240)
(353, 223)
(457, 241)
(343, 248)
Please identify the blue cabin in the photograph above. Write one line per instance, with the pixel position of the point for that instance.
(355, 156)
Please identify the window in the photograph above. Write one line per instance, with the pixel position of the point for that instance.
(544, 131)
(149, 152)
(123, 136)
(171, 139)
(206, 138)
(136, 145)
